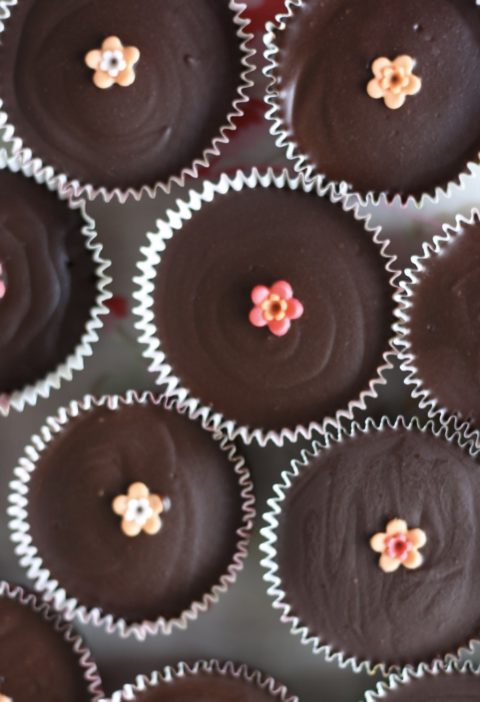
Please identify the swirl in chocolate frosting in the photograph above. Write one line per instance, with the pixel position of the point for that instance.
(330, 575)
(50, 284)
(186, 82)
(202, 304)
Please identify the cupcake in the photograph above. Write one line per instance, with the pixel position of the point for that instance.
(266, 306)
(372, 544)
(52, 287)
(123, 95)
(449, 684)
(129, 515)
(379, 96)
(41, 658)
(439, 334)
(205, 680)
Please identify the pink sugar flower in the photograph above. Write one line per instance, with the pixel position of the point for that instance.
(275, 307)
(3, 289)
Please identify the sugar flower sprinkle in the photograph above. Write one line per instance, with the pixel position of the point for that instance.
(140, 510)
(275, 307)
(113, 63)
(393, 81)
(399, 546)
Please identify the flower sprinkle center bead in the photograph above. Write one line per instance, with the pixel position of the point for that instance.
(275, 307)
(399, 546)
(140, 510)
(113, 63)
(3, 292)
(393, 81)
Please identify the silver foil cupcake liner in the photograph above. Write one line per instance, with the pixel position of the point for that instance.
(173, 222)
(412, 276)
(44, 582)
(85, 661)
(408, 677)
(301, 162)
(277, 691)
(76, 360)
(453, 431)
(91, 192)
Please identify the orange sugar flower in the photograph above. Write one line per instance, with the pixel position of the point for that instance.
(113, 63)
(399, 546)
(393, 81)
(140, 510)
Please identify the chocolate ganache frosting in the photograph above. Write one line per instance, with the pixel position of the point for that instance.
(202, 302)
(444, 687)
(96, 458)
(36, 662)
(47, 281)
(444, 328)
(369, 606)
(326, 56)
(206, 687)
(185, 82)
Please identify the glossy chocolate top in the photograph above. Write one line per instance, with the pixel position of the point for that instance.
(186, 81)
(445, 325)
(325, 60)
(202, 301)
(47, 281)
(330, 573)
(94, 459)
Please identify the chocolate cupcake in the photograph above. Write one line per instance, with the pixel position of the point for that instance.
(439, 334)
(372, 544)
(52, 287)
(267, 306)
(379, 96)
(205, 680)
(129, 515)
(121, 96)
(450, 683)
(41, 658)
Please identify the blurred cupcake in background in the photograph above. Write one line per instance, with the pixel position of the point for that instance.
(128, 515)
(41, 657)
(205, 680)
(439, 331)
(53, 287)
(379, 96)
(120, 97)
(450, 683)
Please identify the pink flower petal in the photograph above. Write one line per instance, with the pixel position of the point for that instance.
(279, 327)
(260, 294)
(3, 289)
(283, 289)
(257, 318)
(294, 309)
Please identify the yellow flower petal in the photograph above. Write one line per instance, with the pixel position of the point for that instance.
(394, 101)
(397, 526)
(112, 44)
(417, 537)
(130, 528)
(413, 560)
(138, 491)
(387, 564)
(120, 504)
(374, 89)
(414, 85)
(153, 525)
(377, 542)
(379, 65)
(404, 62)
(93, 58)
(126, 77)
(102, 80)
